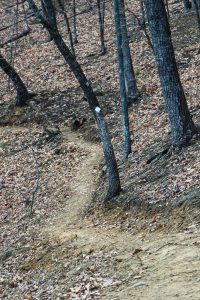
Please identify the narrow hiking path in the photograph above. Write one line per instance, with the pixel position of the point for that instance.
(101, 261)
(58, 254)
(61, 255)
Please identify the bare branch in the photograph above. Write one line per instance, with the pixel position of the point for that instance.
(16, 23)
(143, 27)
(16, 37)
(15, 4)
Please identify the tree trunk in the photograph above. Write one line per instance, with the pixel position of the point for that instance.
(113, 175)
(187, 5)
(45, 8)
(182, 126)
(101, 15)
(167, 7)
(89, 5)
(61, 5)
(196, 3)
(74, 22)
(22, 93)
(123, 95)
(142, 14)
(197, 7)
(130, 80)
(50, 13)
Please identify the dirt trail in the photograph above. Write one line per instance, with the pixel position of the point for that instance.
(82, 186)
(144, 266)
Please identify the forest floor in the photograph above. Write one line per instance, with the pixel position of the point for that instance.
(58, 240)
(70, 256)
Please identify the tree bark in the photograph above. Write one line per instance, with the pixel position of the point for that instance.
(167, 8)
(113, 175)
(130, 80)
(142, 13)
(121, 70)
(22, 93)
(197, 7)
(61, 5)
(50, 13)
(74, 23)
(187, 5)
(101, 15)
(45, 14)
(182, 126)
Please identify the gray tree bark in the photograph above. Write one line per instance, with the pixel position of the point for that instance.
(187, 5)
(101, 14)
(22, 92)
(182, 126)
(121, 71)
(130, 80)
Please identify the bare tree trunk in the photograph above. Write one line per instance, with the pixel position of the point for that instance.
(101, 15)
(121, 70)
(113, 175)
(48, 36)
(197, 7)
(60, 3)
(22, 93)
(142, 13)
(182, 126)
(74, 22)
(187, 5)
(129, 74)
(167, 8)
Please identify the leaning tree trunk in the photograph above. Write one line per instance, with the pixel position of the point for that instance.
(50, 13)
(113, 175)
(182, 126)
(130, 80)
(123, 95)
(22, 93)
(45, 15)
